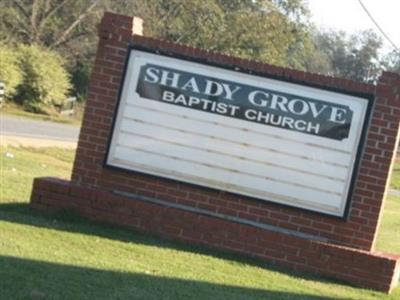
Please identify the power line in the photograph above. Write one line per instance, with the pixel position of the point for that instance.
(379, 27)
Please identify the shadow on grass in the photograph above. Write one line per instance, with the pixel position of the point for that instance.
(29, 279)
(21, 213)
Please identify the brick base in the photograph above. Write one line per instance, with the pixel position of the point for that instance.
(364, 269)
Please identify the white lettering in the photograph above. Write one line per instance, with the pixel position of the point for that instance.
(303, 107)
(250, 114)
(287, 122)
(338, 115)
(263, 102)
(278, 100)
(193, 100)
(229, 92)
(311, 127)
(233, 108)
(315, 112)
(205, 103)
(181, 99)
(221, 108)
(168, 96)
(213, 88)
(192, 85)
(300, 125)
(152, 75)
(170, 78)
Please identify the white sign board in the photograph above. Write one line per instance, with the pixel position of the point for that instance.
(264, 138)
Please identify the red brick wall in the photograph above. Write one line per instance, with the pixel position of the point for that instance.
(361, 268)
(358, 231)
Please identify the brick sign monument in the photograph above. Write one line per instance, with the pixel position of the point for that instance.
(286, 166)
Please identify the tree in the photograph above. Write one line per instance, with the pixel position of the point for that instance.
(391, 61)
(47, 23)
(66, 26)
(355, 57)
(269, 31)
(10, 72)
(45, 82)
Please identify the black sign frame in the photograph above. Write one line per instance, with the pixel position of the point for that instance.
(369, 97)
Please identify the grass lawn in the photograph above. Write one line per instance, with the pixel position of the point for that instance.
(16, 110)
(64, 257)
(395, 183)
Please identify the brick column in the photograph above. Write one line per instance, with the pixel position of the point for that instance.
(383, 141)
(115, 33)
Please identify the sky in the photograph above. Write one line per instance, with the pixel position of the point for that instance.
(349, 16)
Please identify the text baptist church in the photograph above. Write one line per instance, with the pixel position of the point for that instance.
(243, 101)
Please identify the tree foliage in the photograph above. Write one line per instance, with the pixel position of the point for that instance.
(65, 26)
(273, 31)
(260, 30)
(48, 23)
(10, 72)
(269, 31)
(45, 82)
(391, 61)
(354, 57)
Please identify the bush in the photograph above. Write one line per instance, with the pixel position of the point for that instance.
(80, 74)
(45, 82)
(10, 73)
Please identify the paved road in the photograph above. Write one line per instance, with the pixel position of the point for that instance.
(17, 126)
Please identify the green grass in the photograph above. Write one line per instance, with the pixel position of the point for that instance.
(389, 232)
(17, 173)
(16, 110)
(395, 183)
(64, 257)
